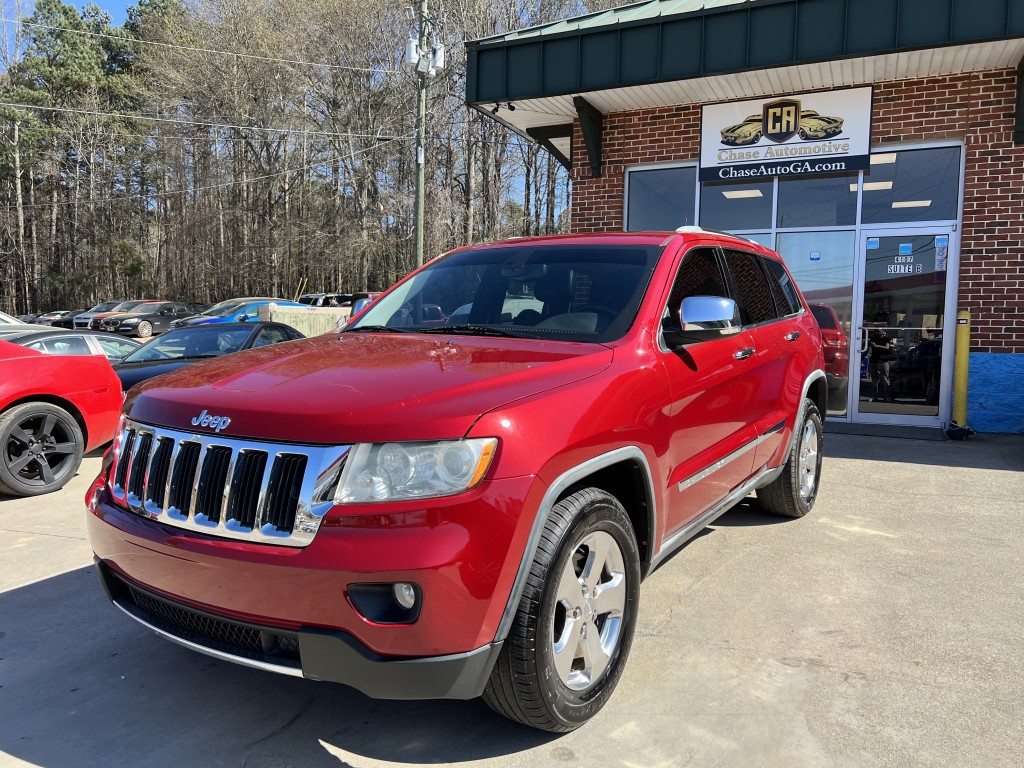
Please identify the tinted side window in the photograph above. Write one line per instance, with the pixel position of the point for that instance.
(699, 275)
(67, 345)
(270, 336)
(752, 292)
(783, 290)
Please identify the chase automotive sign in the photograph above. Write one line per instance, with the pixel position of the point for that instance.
(826, 132)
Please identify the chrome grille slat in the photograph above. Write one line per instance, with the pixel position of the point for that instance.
(223, 486)
(175, 450)
(244, 492)
(156, 477)
(284, 490)
(121, 475)
(137, 469)
(185, 470)
(210, 488)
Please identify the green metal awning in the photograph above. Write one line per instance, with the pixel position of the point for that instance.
(665, 52)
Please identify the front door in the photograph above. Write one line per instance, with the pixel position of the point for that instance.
(901, 356)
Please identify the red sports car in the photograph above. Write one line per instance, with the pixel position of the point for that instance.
(53, 409)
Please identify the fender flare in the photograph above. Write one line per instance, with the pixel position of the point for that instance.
(554, 491)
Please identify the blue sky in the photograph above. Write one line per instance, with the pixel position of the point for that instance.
(116, 8)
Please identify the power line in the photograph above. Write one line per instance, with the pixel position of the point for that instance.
(193, 190)
(195, 49)
(122, 116)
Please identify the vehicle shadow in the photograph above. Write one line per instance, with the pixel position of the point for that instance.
(84, 685)
(748, 513)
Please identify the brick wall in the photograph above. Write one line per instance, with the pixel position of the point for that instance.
(976, 108)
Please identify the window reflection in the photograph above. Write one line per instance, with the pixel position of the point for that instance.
(818, 201)
(661, 199)
(733, 206)
(822, 265)
(912, 185)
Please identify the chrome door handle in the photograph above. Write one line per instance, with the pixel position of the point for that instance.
(743, 354)
(792, 336)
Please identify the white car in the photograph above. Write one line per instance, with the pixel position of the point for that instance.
(8, 319)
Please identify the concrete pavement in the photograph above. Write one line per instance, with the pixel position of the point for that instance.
(884, 629)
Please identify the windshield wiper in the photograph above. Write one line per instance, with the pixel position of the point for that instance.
(377, 329)
(476, 330)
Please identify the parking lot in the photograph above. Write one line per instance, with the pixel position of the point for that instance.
(886, 628)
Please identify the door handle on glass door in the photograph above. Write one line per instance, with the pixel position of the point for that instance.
(743, 354)
(792, 336)
(863, 340)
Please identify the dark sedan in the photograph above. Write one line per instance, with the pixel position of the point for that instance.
(151, 320)
(185, 346)
(68, 321)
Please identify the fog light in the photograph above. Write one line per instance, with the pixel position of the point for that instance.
(388, 602)
(405, 594)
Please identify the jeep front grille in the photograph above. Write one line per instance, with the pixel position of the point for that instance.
(239, 489)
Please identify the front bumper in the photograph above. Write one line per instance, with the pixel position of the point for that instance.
(463, 552)
(313, 653)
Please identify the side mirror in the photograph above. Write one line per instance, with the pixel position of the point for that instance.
(703, 318)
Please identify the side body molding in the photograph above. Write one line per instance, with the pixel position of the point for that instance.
(574, 475)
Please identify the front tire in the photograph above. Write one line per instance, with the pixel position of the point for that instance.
(41, 448)
(145, 329)
(792, 493)
(574, 627)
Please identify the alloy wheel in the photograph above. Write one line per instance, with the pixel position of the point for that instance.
(588, 616)
(808, 468)
(39, 449)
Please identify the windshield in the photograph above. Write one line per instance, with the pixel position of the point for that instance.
(191, 343)
(568, 292)
(127, 306)
(225, 308)
(106, 306)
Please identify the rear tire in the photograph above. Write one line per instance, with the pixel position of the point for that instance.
(41, 448)
(574, 627)
(792, 493)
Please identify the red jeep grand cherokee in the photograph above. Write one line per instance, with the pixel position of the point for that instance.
(467, 509)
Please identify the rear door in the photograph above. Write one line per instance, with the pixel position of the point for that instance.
(710, 434)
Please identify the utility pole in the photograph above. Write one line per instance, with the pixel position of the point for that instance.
(426, 57)
(421, 129)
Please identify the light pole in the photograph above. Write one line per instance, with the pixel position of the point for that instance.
(426, 57)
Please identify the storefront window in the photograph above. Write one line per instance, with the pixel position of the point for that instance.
(822, 264)
(661, 199)
(818, 201)
(735, 207)
(761, 238)
(912, 185)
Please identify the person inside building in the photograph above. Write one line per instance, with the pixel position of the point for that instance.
(879, 357)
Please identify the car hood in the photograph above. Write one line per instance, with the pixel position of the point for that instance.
(131, 374)
(347, 388)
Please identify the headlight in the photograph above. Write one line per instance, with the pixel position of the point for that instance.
(394, 471)
(130, 321)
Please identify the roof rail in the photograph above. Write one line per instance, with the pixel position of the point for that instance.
(695, 230)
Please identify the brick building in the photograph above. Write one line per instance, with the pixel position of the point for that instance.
(903, 203)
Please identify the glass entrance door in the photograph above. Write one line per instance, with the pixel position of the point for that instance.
(900, 350)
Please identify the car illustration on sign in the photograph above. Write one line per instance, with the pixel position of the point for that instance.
(815, 126)
(747, 132)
